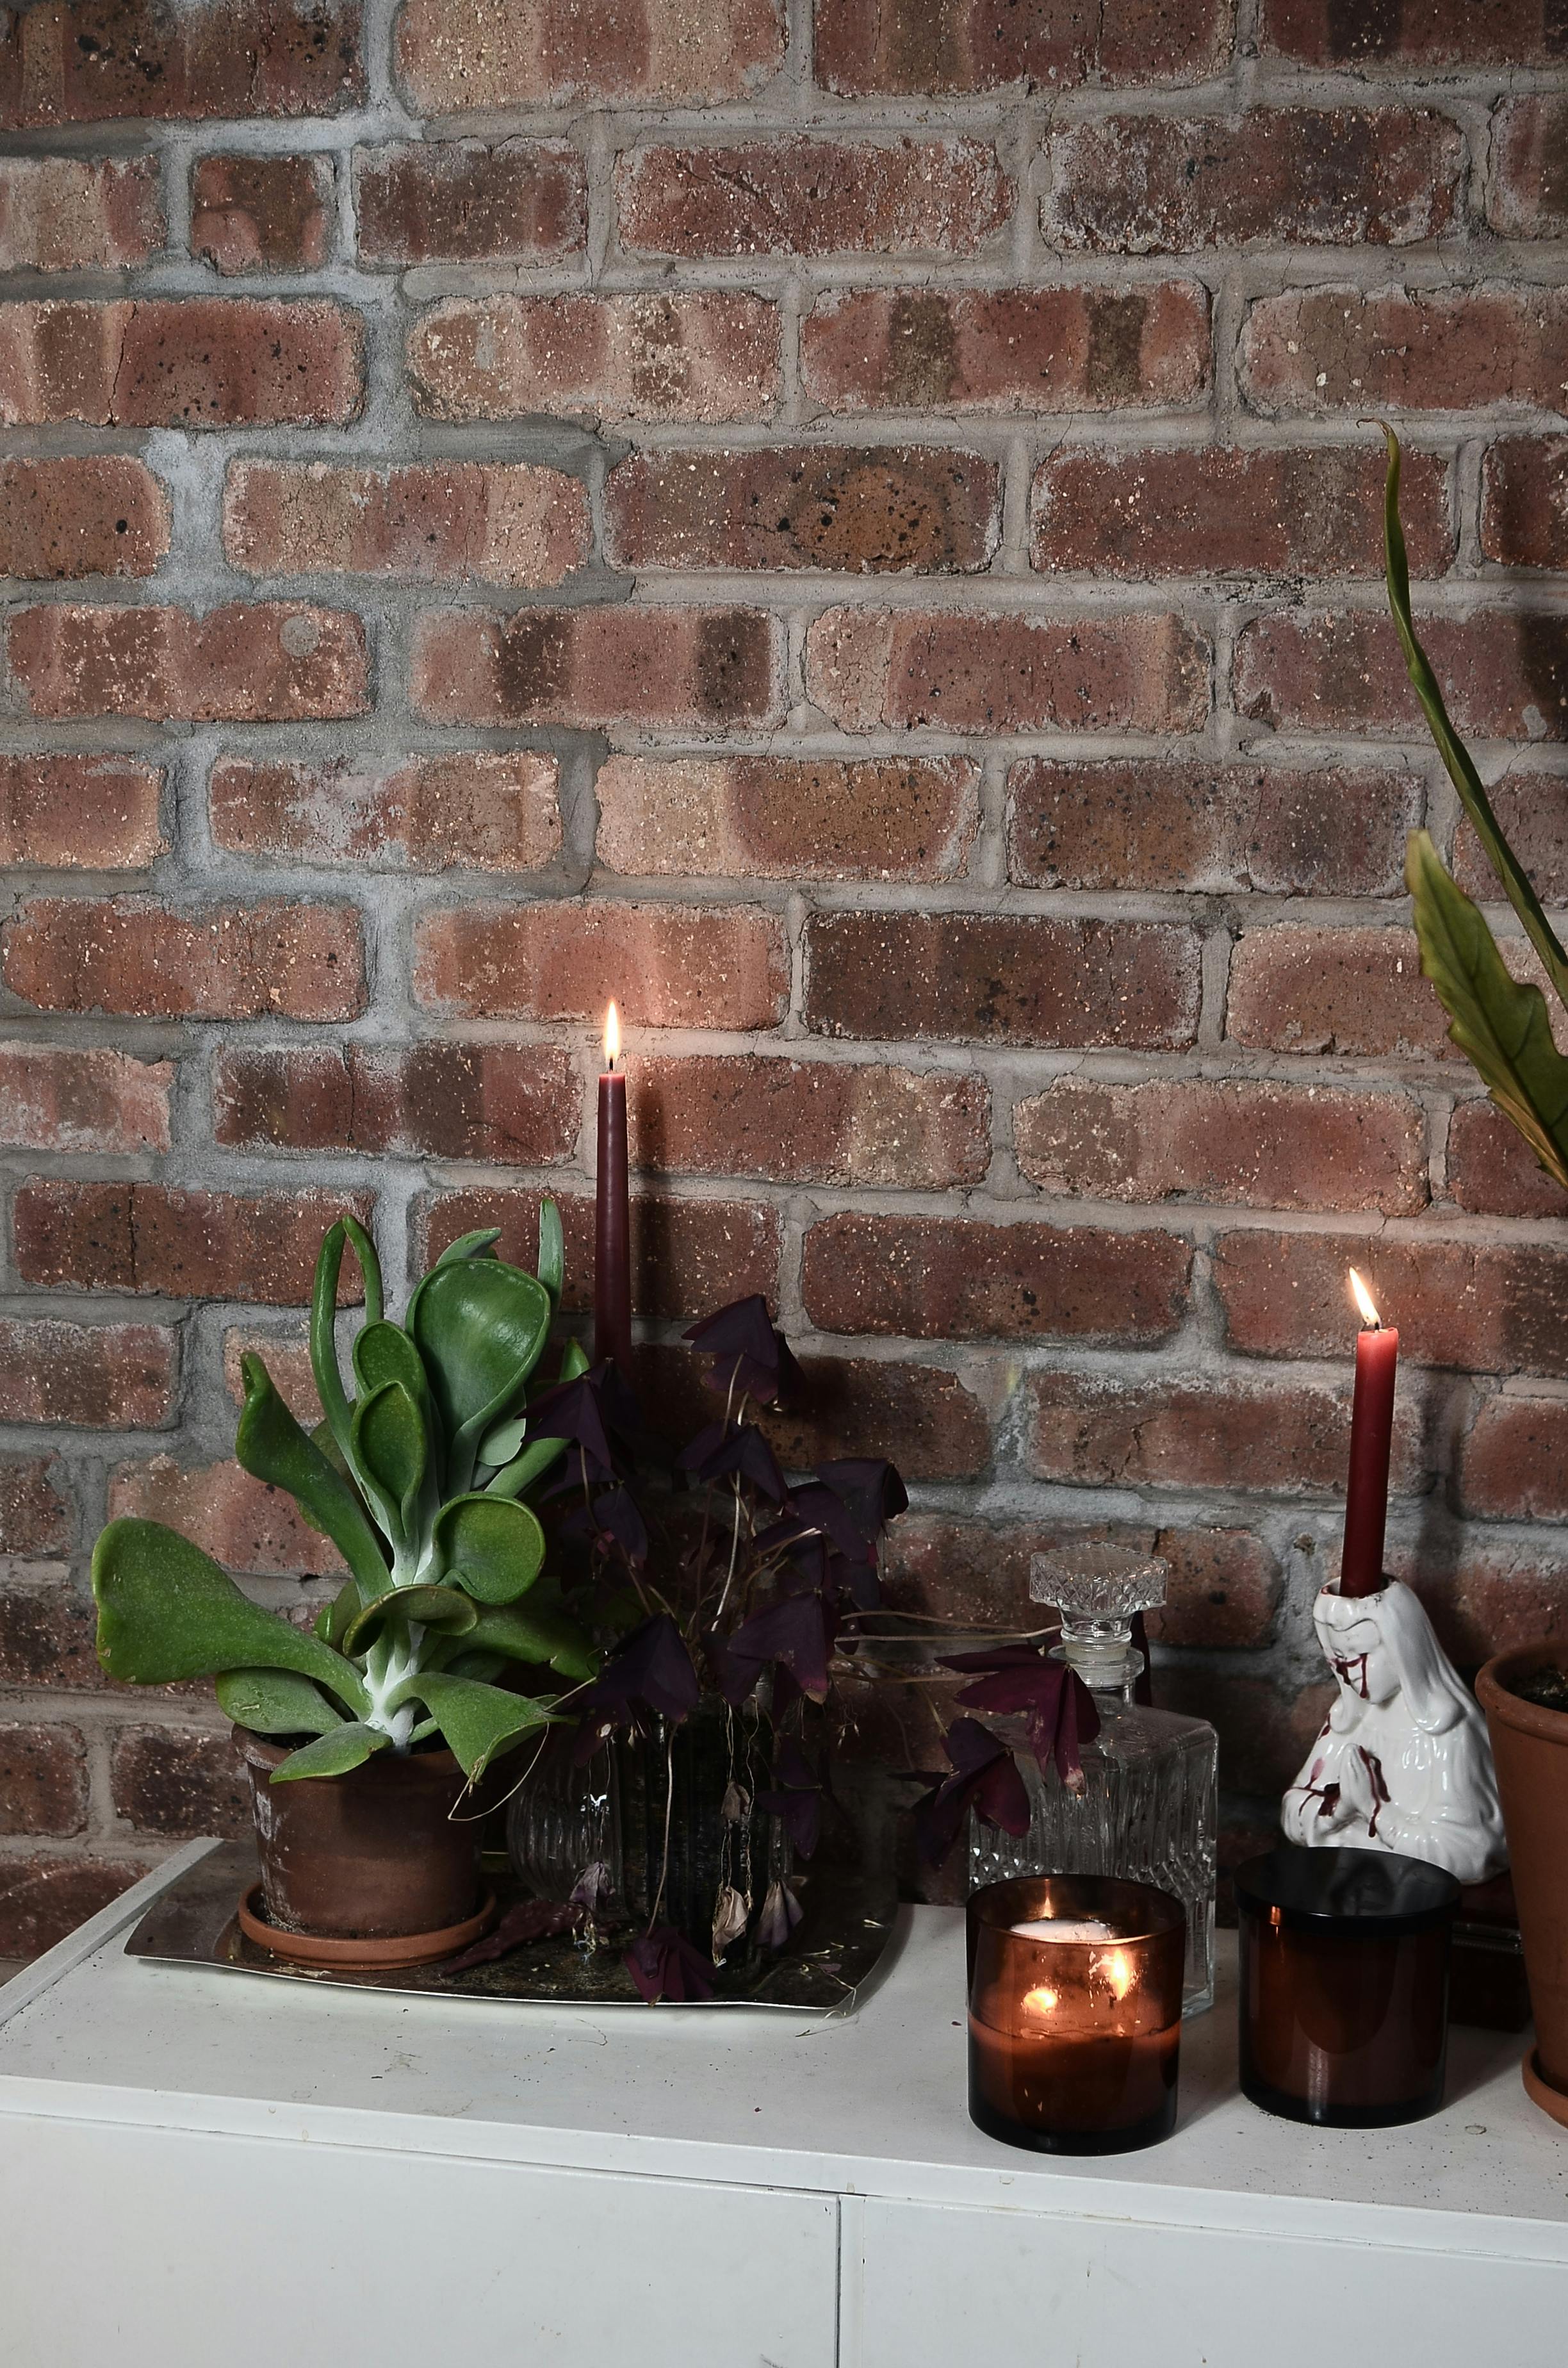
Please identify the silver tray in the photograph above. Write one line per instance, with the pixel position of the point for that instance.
(831, 1957)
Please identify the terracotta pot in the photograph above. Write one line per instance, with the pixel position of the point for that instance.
(1531, 1746)
(371, 1855)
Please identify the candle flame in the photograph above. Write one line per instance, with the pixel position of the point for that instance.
(1041, 2001)
(1118, 1971)
(1364, 1300)
(612, 1037)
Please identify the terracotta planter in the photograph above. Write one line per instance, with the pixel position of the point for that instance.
(1531, 1746)
(374, 1855)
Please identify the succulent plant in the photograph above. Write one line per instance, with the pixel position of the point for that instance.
(1500, 1023)
(416, 1477)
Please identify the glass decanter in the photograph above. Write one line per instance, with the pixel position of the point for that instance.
(1149, 1803)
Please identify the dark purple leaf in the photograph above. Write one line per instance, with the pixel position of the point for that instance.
(795, 1797)
(870, 1487)
(749, 1357)
(571, 1411)
(1058, 1708)
(735, 1447)
(663, 1965)
(983, 1779)
(653, 1668)
(618, 1518)
(793, 1631)
(530, 1920)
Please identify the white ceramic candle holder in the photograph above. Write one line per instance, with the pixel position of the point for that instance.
(1403, 1763)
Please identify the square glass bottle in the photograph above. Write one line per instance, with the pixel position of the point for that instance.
(1148, 1809)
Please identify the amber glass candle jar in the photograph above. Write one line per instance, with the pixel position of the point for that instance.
(1344, 1985)
(1075, 2012)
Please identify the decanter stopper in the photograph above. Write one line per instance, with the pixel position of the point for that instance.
(1098, 1587)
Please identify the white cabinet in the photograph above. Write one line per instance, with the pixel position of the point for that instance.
(198, 2167)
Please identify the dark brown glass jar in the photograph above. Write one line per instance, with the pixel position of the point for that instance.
(1344, 1985)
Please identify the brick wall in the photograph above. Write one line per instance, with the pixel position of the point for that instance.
(855, 538)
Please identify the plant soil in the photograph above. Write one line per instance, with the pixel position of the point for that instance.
(1548, 1689)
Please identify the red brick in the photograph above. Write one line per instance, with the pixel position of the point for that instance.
(1046, 349)
(43, 1780)
(48, 1634)
(35, 1513)
(1220, 511)
(1529, 192)
(702, 356)
(438, 521)
(924, 1420)
(515, 1103)
(477, 809)
(273, 661)
(1295, 989)
(938, 1278)
(971, 1574)
(1515, 1461)
(1418, 32)
(240, 1522)
(1264, 1734)
(1323, 349)
(1480, 1306)
(1486, 1599)
(1299, 177)
(1260, 1145)
(179, 1781)
(261, 213)
(1151, 826)
(42, 1899)
(97, 813)
(81, 516)
(79, 213)
(809, 1121)
(1001, 979)
(1221, 1593)
(660, 669)
(287, 1360)
(1202, 1432)
(972, 45)
(194, 361)
(456, 56)
(57, 1097)
(261, 1247)
(1533, 810)
(94, 1376)
(465, 202)
(1524, 501)
(877, 511)
(665, 965)
(1493, 1170)
(1504, 672)
(223, 962)
(783, 818)
(94, 60)
(899, 668)
(688, 1257)
(805, 196)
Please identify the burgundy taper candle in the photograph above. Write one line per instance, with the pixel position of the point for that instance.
(1371, 1437)
(612, 1213)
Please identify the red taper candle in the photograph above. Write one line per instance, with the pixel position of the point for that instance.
(1371, 1437)
(612, 1214)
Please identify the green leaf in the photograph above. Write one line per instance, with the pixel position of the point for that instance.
(479, 1327)
(1452, 748)
(535, 1460)
(324, 1339)
(575, 1360)
(383, 1352)
(499, 1445)
(391, 1449)
(275, 1701)
(478, 1243)
(331, 1621)
(332, 1755)
(167, 1612)
(433, 1607)
(477, 1720)
(552, 1250)
(492, 1548)
(271, 1445)
(537, 1633)
(1500, 1023)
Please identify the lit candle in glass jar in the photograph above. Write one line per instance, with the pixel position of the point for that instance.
(1075, 2012)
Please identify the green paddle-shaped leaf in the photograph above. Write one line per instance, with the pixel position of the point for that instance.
(552, 1250)
(167, 1612)
(536, 1631)
(431, 1607)
(478, 1721)
(479, 1327)
(271, 1445)
(490, 1547)
(392, 1450)
(275, 1701)
(331, 1755)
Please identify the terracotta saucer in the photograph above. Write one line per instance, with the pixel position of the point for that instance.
(1540, 2092)
(357, 1955)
